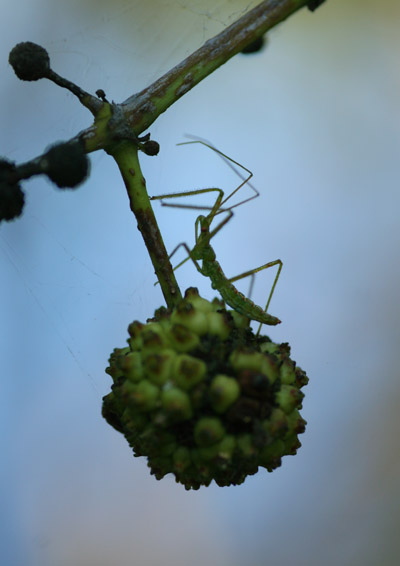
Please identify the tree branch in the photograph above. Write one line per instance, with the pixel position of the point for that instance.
(140, 110)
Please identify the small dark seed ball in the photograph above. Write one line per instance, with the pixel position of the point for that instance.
(151, 147)
(11, 195)
(101, 94)
(66, 164)
(312, 5)
(29, 61)
(254, 46)
(6, 167)
(11, 201)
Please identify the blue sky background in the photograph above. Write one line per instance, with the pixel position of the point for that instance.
(316, 119)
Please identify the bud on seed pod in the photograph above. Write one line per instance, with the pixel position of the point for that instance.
(181, 459)
(158, 367)
(202, 397)
(66, 164)
(143, 395)
(11, 196)
(289, 398)
(208, 430)
(188, 371)
(132, 366)
(182, 338)
(177, 404)
(29, 61)
(153, 337)
(224, 391)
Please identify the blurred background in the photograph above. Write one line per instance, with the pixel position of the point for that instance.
(316, 118)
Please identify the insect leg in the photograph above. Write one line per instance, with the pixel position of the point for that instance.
(184, 245)
(252, 272)
(216, 206)
(231, 163)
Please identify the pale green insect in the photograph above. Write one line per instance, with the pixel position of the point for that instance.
(202, 250)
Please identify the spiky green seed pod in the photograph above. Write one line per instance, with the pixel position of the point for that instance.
(202, 397)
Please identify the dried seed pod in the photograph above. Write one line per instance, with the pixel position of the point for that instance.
(29, 61)
(312, 5)
(255, 46)
(202, 397)
(151, 147)
(66, 164)
(12, 198)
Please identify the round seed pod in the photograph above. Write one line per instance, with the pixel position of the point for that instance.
(66, 164)
(29, 61)
(12, 198)
(255, 46)
(203, 398)
(312, 5)
(151, 147)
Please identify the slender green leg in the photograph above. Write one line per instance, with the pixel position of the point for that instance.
(257, 270)
(217, 207)
(220, 200)
(183, 244)
(251, 272)
(211, 268)
(214, 209)
(231, 163)
(203, 234)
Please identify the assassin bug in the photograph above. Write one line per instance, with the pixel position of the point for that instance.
(203, 251)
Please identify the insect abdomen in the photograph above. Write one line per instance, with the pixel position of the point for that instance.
(235, 298)
(245, 306)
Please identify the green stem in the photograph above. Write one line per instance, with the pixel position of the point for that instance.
(126, 155)
(116, 122)
(117, 126)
